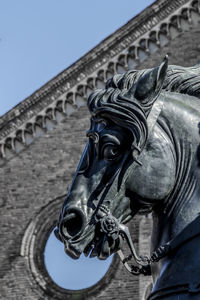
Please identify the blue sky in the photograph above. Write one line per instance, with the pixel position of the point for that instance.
(39, 39)
(69, 273)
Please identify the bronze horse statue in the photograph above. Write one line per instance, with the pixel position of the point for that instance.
(142, 154)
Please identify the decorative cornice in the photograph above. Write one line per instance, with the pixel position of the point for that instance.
(123, 50)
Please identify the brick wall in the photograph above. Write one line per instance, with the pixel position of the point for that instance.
(42, 172)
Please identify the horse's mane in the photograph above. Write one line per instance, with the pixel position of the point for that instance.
(113, 103)
(184, 80)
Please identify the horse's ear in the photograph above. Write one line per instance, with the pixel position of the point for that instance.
(150, 84)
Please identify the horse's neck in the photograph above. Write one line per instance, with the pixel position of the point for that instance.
(179, 120)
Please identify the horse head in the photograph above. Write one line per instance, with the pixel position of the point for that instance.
(115, 178)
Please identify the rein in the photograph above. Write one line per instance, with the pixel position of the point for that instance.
(112, 227)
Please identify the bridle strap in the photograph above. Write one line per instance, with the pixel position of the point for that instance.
(143, 261)
(151, 121)
(155, 112)
(191, 231)
(105, 219)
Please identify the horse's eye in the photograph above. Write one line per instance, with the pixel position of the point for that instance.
(110, 151)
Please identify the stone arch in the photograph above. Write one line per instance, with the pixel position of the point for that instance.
(32, 249)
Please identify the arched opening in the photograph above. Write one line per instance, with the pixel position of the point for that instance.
(69, 273)
(39, 248)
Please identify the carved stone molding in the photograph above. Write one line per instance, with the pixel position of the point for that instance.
(125, 49)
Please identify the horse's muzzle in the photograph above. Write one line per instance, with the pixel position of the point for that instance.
(73, 223)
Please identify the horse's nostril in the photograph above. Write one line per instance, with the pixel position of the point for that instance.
(73, 223)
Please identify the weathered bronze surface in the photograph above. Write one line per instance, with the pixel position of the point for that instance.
(142, 155)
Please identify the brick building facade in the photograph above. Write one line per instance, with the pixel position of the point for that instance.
(41, 142)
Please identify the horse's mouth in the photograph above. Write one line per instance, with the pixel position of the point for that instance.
(95, 245)
(103, 247)
(74, 247)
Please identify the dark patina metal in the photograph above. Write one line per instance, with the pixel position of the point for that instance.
(143, 154)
